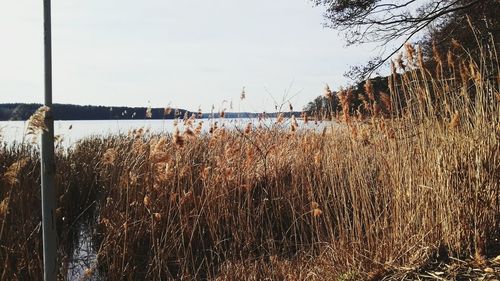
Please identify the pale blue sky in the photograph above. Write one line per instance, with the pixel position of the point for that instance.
(187, 53)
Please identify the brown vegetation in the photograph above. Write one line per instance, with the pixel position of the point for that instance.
(383, 195)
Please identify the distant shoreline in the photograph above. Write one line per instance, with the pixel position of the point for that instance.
(71, 112)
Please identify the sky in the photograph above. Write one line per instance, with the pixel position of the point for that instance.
(186, 54)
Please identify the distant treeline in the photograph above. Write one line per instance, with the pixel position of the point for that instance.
(22, 111)
(330, 103)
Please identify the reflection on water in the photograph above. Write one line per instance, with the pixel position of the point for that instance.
(82, 264)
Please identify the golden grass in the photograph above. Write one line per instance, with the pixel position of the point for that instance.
(379, 195)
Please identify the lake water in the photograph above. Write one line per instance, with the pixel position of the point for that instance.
(72, 131)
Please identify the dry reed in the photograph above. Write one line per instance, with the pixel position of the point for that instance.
(359, 202)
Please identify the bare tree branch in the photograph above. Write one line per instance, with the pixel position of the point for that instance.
(383, 21)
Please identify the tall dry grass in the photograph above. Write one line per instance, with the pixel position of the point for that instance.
(416, 179)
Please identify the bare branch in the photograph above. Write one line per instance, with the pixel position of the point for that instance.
(383, 21)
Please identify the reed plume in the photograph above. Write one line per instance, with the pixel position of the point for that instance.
(36, 122)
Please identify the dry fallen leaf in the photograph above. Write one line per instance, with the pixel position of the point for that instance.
(489, 270)
(157, 216)
(496, 260)
(317, 212)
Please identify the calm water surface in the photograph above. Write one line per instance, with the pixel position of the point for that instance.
(72, 131)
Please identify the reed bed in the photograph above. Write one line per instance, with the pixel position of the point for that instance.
(412, 176)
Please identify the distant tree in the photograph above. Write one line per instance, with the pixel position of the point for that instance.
(323, 106)
(21, 111)
(384, 21)
(473, 29)
(316, 106)
(328, 105)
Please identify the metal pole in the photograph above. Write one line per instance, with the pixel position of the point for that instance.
(47, 163)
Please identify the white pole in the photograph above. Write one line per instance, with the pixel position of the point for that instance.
(47, 163)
